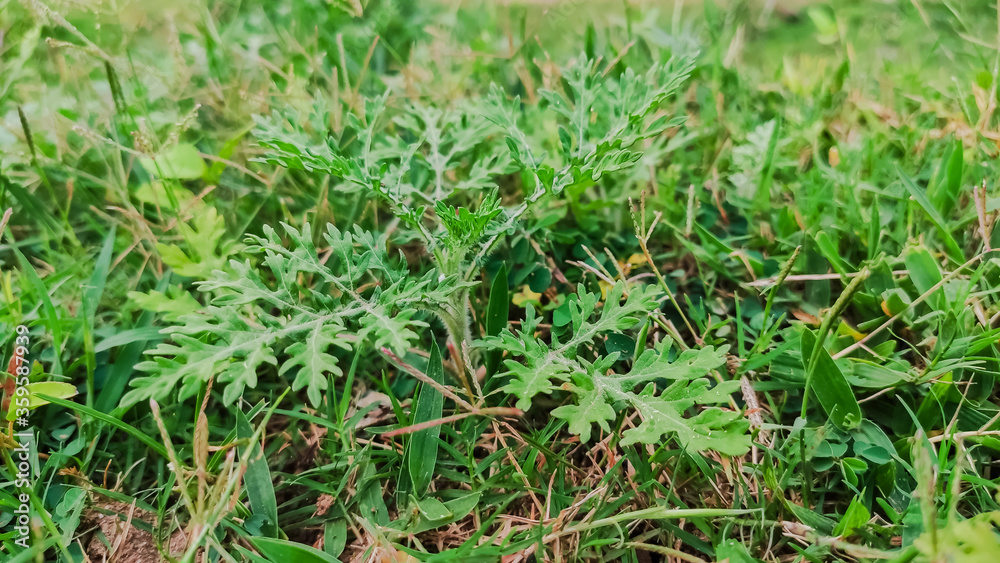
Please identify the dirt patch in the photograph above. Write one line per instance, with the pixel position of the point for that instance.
(123, 541)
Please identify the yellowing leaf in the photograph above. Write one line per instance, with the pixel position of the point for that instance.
(154, 193)
(844, 329)
(526, 296)
(605, 286)
(55, 389)
(179, 162)
(636, 259)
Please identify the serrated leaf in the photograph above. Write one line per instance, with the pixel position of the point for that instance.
(599, 394)
(544, 365)
(310, 355)
(211, 252)
(272, 317)
(662, 414)
(172, 305)
(601, 119)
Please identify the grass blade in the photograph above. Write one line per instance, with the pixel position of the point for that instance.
(763, 195)
(496, 315)
(90, 300)
(124, 426)
(428, 406)
(829, 384)
(283, 551)
(259, 486)
(921, 198)
(49, 311)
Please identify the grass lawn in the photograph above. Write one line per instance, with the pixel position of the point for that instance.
(397, 281)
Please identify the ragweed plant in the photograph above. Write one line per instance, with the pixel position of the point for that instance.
(295, 305)
(421, 164)
(600, 121)
(539, 367)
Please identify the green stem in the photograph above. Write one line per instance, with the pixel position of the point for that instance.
(785, 270)
(459, 334)
(654, 513)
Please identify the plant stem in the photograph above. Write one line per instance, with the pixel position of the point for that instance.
(460, 335)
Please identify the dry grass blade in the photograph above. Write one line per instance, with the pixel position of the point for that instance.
(443, 389)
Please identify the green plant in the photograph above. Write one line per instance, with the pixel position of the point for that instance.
(598, 390)
(313, 304)
(301, 308)
(459, 238)
(819, 242)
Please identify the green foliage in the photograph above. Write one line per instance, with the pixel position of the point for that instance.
(377, 161)
(597, 389)
(210, 249)
(769, 175)
(278, 550)
(427, 407)
(549, 364)
(463, 227)
(181, 162)
(601, 120)
(974, 540)
(663, 412)
(282, 321)
(171, 304)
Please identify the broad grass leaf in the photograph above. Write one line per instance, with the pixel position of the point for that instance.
(48, 314)
(828, 247)
(871, 375)
(450, 511)
(830, 386)
(733, 551)
(920, 196)
(925, 273)
(57, 389)
(946, 192)
(369, 495)
(763, 195)
(284, 551)
(257, 479)
(154, 445)
(335, 536)
(621, 344)
(856, 516)
(428, 406)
